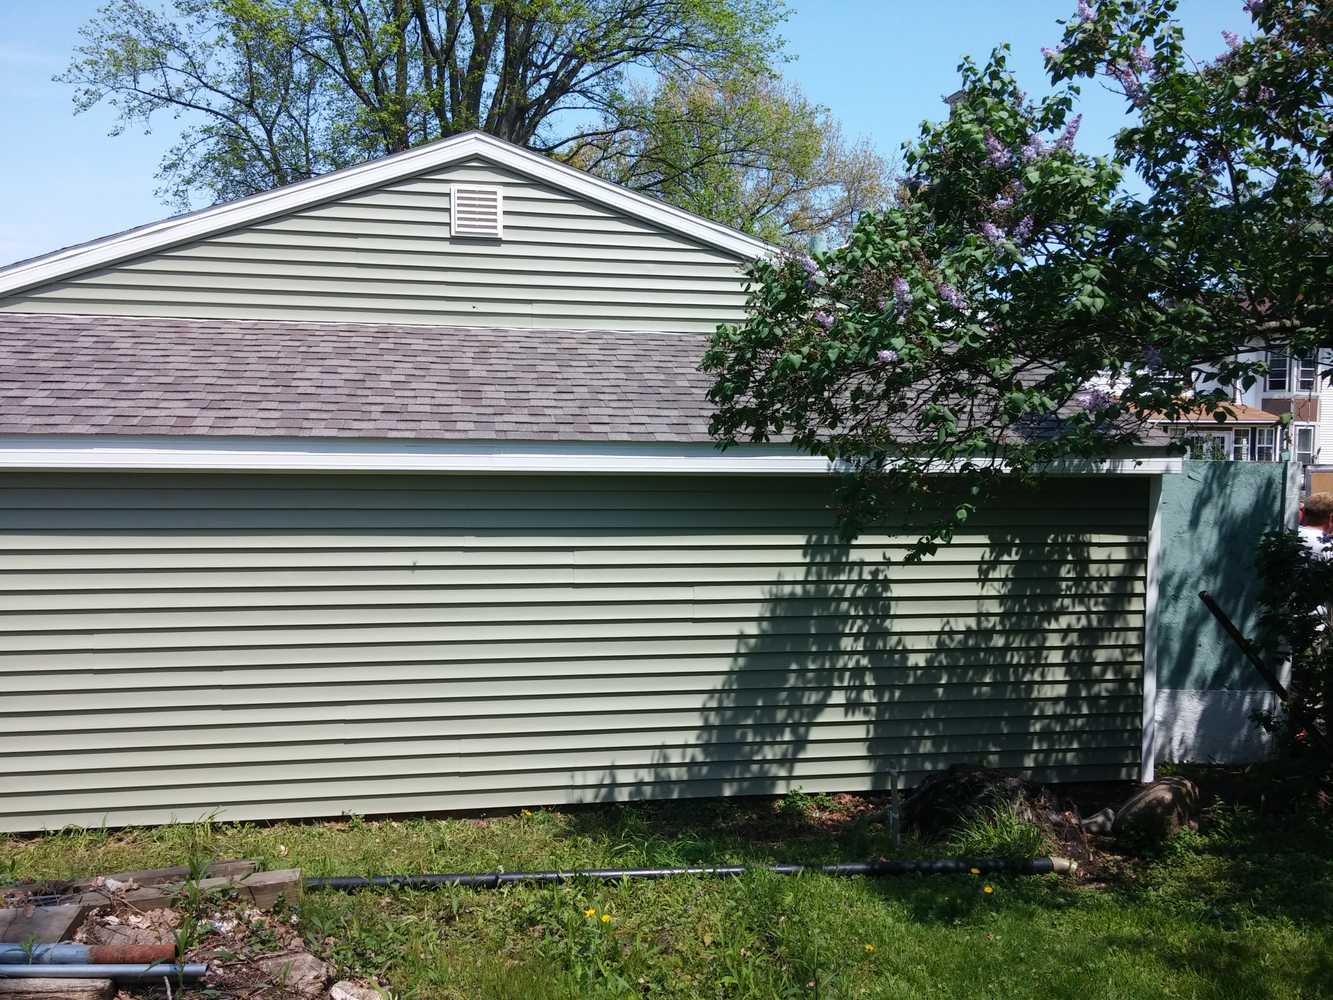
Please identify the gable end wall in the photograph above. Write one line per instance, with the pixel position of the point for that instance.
(386, 256)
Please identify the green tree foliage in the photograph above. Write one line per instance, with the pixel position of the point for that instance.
(1020, 304)
(1295, 598)
(275, 91)
(748, 150)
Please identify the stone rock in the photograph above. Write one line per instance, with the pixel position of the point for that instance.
(347, 990)
(297, 972)
(1100, 822)
(1157, 811)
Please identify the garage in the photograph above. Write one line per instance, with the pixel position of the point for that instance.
(262, 646)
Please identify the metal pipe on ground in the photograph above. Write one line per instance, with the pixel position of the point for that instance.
(872, 869)
(120, 973)
(87, 954)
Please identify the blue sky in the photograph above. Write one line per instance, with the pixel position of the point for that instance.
(881, 65)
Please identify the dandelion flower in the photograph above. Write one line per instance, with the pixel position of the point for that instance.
(606, 918)
(869, 947)
(974, 871)
(985, 888)
(590, 912)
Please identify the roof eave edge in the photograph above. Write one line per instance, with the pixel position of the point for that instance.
(198, 453)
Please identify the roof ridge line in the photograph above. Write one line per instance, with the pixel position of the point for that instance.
(178, 229)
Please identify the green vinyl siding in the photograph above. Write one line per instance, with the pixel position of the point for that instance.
(284, 646)
(386, 256)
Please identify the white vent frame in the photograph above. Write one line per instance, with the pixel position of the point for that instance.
(467, 212)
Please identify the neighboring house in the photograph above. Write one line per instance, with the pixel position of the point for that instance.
(392, 491)
(1246, 435)
(1285, 416)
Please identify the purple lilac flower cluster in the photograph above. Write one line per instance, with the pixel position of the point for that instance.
(1066, 140)
(996, 155)
(902, 295)
(1095, 400)
(811, 272)
(950, 295)
(887, 357)
(1128, 81)
(824, 319)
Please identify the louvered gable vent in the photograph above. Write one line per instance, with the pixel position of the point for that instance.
(477, 212)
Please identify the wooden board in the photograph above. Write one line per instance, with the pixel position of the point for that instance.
(1321, 482)
(56, 989)
(45, 924)
(261, 889)
(149, 876)
(158, 876)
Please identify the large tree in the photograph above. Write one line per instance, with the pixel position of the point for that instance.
(1022, 304)
(748, 150)
(274, 91)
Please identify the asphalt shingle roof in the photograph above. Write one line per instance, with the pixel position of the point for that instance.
(67, 374)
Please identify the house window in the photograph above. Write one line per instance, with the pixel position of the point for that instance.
(1265, 444)
(1279, 371)
(1305, 445)
(1307, 372)
(1240, 450)
(1207, 446)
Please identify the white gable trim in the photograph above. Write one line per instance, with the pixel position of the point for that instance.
(165, 453)
(280, 201)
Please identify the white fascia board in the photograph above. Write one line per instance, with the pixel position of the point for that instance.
(351, 180)
(95, 452)
(105, 452)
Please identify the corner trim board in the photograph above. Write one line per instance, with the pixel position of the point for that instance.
(1148, 746)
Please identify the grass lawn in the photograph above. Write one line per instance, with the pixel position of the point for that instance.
(1242, 909)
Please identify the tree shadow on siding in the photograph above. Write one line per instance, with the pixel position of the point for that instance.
(861, 668)
(1213, 548)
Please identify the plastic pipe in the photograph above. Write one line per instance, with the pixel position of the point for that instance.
(493, 880)
(87, 954)
(157, 970)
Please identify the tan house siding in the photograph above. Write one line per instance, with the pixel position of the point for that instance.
(284, 646)
(386, 256)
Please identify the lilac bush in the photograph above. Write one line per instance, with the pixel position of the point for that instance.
(1014, 272)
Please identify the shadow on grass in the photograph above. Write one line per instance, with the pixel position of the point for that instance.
(1240, 867)
(756, 830)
